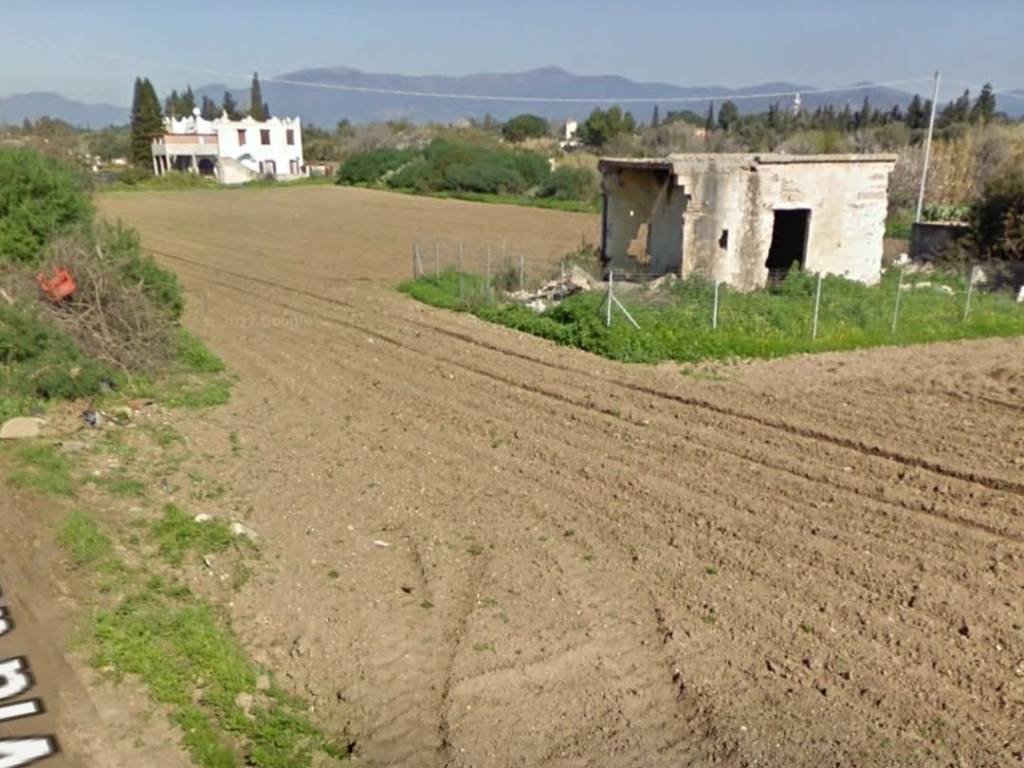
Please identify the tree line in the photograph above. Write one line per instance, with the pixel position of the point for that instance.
(604, 125)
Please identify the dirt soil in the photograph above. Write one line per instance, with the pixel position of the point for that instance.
(485, 550)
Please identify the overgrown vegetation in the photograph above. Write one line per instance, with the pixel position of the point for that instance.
(676, 320)
(463, 167)
(39, 199)
(119, 330)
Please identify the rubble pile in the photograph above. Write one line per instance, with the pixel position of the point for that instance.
(574, 280)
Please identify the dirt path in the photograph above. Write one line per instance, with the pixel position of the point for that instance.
(814, 561)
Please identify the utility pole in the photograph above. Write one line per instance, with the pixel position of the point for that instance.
(928, 148)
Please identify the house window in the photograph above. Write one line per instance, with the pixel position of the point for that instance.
(265, 136)
(241, 137)
(290, 135)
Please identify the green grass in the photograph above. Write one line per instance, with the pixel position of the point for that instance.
(187, 182)
(177, 534)
(199, 378)
(182, 649)
(42, 468)
(121, 484)
(675, 321)
(82, 538)
(179, 647)
(551, 203)
(899, 222)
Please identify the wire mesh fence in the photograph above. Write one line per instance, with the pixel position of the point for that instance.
(691, 317)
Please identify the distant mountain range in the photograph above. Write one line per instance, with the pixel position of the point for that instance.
(334, 93)
(15, 109)
(324, 103)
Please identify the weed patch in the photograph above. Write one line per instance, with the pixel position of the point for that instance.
(40, 467)
(176, 535)
(676, 321)
(82, 538)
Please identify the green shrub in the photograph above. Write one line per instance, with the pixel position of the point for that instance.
(370, 167)
(571, 183)
(481, 176)
(38, 360)
(418, 175)
(122, 245)
(39, 199)
(997, 219)
(522, 127)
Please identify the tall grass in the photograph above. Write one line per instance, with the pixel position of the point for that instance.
(676, 321)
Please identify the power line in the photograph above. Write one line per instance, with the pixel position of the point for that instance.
(532, 99)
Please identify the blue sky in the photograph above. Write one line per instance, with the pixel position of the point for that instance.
(93, 50)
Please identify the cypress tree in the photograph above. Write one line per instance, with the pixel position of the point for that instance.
(146, 122)
(258, 108)
(188, 101)
(655, 118)
(709, 121)
(230, 106)
(209, 109)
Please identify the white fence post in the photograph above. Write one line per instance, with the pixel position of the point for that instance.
(460, 270)
(714, 309)
(970, 290)
(608, 317)
(817, 307)
(488, 278)
(896, 307)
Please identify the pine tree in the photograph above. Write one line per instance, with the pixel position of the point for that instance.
(915, 113)
(230, 106)
(863, 118)
(728, 116)
(258, 109)
(209, 109)
(146, 122)
(172, 105)
(984, 108)
(188, 101)
(709, 121)
(655, 118)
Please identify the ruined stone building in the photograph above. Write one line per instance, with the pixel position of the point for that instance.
(744, 219)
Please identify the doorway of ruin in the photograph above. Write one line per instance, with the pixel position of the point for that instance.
(789, 242)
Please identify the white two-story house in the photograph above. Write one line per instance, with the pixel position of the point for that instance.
(232, 151)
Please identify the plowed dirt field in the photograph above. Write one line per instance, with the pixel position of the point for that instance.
(485, 550)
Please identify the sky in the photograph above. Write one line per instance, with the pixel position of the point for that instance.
(93, 50)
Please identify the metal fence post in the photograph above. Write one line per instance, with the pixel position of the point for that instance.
(896, 307)
(417, 261)
(714, 309)
(437, 258)
(460, 270)
(970, 290)
(522, 273)
(487, 281)
(611, 279)
(817, 307)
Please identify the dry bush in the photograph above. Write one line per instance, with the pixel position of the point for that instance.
(112, 319)
(960, 167)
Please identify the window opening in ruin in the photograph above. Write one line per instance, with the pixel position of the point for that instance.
(789, 243)
(723, 241)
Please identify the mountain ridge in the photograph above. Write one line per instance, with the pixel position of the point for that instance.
(328, 99)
